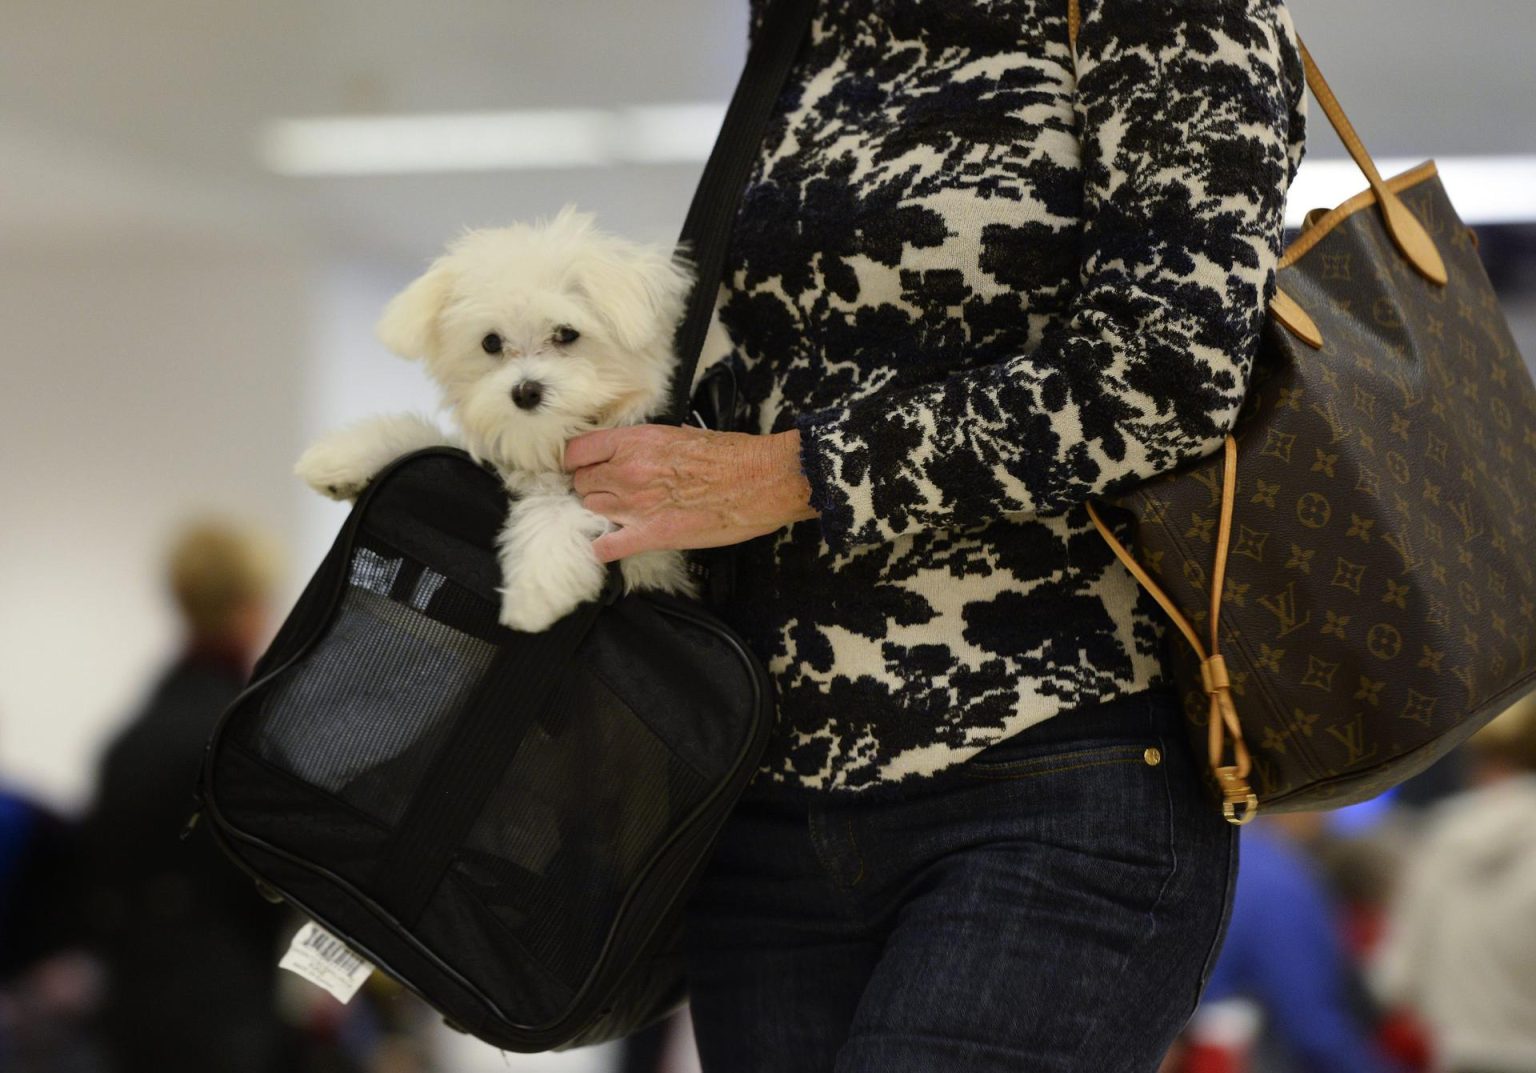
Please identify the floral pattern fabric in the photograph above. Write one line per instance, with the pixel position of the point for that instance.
(988, 282)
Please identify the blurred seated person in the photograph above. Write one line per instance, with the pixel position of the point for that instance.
(1460, 944)
(1284, 954)
(189, 947)
(37, 883)
(46, 986)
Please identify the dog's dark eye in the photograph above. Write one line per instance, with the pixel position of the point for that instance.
(491, 344)
(565, 335)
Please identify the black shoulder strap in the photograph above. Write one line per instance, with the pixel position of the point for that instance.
(521, 684)
(707, 228)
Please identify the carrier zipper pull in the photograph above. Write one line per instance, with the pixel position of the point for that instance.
(197, 808)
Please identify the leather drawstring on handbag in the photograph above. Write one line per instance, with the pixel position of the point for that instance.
(1239, 803)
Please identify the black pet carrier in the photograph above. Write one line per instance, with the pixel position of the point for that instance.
(507, 823)
(504, 822)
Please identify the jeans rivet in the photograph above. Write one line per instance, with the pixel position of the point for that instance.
(1153, 757)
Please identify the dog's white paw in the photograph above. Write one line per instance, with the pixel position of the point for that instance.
(547, 564)
(531, 615)
(334, 470)
(592, 525)
(533, 607)
(341, 464)
(666, 571)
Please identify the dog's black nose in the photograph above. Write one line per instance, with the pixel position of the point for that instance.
(528, 394)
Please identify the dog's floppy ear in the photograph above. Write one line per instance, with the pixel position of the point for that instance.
(409, 324)
(637, 291)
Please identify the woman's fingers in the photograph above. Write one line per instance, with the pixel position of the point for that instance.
(592, 447)
(620, 543)
(604, 503)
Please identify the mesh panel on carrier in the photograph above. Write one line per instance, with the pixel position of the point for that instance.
(506, 822)
(587, 799)
(361, 715)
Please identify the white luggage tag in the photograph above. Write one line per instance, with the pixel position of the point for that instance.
(326, 961)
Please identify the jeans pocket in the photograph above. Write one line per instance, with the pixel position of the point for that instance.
(1097, 779)
(1093, 817)
(1010, 759)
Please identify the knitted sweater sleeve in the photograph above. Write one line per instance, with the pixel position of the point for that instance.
(1187, 114)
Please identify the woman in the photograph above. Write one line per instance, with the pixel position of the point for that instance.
(974, 282)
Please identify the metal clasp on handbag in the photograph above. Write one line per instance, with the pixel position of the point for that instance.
(1239, 803)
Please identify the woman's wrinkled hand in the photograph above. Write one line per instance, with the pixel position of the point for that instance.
(676, 487)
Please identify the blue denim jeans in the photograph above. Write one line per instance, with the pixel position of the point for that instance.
(1055, 904)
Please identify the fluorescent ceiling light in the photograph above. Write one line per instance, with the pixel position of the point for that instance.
(1484, 189)
(667, 133)
(490, 141)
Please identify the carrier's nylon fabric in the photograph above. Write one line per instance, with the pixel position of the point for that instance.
(483, 741)
(1349, 647)
(506, 836)
(508, 823)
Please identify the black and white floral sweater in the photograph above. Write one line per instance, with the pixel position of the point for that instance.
(986, 289)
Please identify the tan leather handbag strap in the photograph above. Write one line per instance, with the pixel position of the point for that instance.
(1239, 803)
(1406, 231)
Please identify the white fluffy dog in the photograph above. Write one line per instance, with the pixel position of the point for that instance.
(535, 333)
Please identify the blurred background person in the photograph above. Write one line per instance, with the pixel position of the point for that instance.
(1460, 944)
(190, 950)
(38, 870)
(1285, 956)
(47, 988)
(1363, 854)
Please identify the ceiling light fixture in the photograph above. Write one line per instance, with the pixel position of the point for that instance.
(1486, 189)
(490, 141)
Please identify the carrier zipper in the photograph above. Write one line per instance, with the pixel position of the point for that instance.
(197, 800)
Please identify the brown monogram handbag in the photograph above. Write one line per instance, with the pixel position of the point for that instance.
(1359, 553)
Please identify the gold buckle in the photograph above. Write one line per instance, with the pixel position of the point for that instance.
(1250, 805)
(1235, 790)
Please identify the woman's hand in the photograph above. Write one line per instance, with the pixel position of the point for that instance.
(679, 487)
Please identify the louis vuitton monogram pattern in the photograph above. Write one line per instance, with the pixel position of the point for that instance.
(1378, 597)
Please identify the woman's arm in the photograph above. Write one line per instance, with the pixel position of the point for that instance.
(1185, 113)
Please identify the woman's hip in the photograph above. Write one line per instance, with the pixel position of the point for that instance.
(1081, 860)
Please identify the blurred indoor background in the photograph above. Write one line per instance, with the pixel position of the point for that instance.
(191, 264)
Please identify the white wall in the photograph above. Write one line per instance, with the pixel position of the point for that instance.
(353, 377)
(141, 378)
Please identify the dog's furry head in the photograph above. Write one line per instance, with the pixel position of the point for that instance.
(537, 332)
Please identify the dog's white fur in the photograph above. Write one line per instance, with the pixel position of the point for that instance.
(522, 283)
